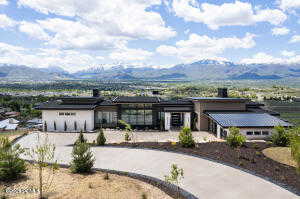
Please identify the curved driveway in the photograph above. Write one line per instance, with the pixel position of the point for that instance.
(203, 178)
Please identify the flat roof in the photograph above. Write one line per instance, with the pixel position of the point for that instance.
(245, 119)
(136, 99)
(217, 99)
(57, 106)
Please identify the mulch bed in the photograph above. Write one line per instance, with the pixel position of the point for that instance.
(251, 159)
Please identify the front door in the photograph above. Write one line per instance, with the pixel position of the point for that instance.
(176, 119)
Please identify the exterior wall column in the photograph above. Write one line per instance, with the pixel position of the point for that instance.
(218, 131)
(187, 120)
(167, 121)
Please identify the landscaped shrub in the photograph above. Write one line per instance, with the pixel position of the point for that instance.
(280, 137)
(295, 146)
(235, 138)
(11, 165)
(80, 138)
(186, 138)
(83, 159)
(101, 138)
(127, 127)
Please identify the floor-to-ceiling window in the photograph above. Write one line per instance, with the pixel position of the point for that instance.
(137, 114)
(106, 118)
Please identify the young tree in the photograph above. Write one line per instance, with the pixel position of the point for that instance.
(235, 138)
(43, 156)
(280, 137)
(65, 126)
(186, 138)
(75, 125)
(45, 126)
(84, 126)
(11, 165)
(176, 174)
(83, 159)
(101, 138)
(128, 130)
(81, 138)
(54, 125)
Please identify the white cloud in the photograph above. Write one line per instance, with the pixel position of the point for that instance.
(280, 31)
(295, 39)
(3, 2)
(128, 55)
(227, 14)
(68, 59)
(78, 35)
(34, 30)
(262, 58)
(288, 53)
(5, 21)
(289, 4)
(203, 47)
(131, 19)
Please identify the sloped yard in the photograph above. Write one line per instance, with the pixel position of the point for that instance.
(66, 185)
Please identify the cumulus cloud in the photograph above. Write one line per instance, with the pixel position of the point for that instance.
(3, 2)
(288, 53)
(289, 4)
(227, 14)
(127, 19)
(34, 30)
(202, 47)
(295, 39)
(68, 59)
(6, 22)
(264, 58)
(78, 35)
(127, 55)
(280, 31)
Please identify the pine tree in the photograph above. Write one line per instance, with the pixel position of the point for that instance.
(83, 159)
(101, 138)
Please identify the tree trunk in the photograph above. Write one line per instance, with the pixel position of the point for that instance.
(41, 183)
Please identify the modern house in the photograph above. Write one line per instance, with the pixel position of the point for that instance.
(217, 114)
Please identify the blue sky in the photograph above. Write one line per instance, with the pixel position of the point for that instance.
(76, 35)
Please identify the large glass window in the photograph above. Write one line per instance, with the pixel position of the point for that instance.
(136, 115)
(106, 117)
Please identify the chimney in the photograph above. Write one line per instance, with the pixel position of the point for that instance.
(155, 92)
(96, 93)
(222, 92)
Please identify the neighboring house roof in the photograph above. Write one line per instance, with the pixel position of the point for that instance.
(176, 102)
(262, 110)
(136, 99)
(35, 121)
(9, 124)
(247, 120)
(11, 127)
(219, 99)
(59, 106)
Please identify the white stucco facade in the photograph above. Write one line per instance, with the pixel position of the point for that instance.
(70, 117)
(244, 131)
(187, 120)
(167, 121)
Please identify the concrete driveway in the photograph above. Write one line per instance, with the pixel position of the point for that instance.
(203, 178)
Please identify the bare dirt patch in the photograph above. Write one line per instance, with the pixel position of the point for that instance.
(280, 154)
(67, 185)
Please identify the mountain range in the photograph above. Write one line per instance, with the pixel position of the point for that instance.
(200, 70)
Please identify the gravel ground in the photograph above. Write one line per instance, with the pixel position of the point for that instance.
(116, 136)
